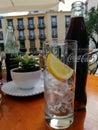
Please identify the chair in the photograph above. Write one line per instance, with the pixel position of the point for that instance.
(93, 62)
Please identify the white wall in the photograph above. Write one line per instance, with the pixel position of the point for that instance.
(92, 3)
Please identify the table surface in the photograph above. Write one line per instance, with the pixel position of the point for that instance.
(27, 113)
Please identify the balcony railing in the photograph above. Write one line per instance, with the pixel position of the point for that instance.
(30, 27)
(20, 27)
(54, 24)
(54, 35)
(21, 38)
(23, 49)
(42, 36)
(41, 26)
(31, 37)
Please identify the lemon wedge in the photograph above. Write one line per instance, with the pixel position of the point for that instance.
(58, 69)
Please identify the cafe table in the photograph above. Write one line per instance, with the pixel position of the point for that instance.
(27, 113)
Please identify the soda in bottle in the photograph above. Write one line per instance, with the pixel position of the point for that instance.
(11, 51)
(0, 70)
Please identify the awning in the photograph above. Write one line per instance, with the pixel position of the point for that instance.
(27, 5)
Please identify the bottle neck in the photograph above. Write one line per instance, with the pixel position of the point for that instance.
(10, 42)
(10, 37)
(77, 9)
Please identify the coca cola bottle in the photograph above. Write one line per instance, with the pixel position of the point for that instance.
(0, 68)
(11, 50)
(77, 31)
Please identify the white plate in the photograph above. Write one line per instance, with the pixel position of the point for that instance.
(11, 89)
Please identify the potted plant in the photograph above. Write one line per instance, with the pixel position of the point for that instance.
(28, 73)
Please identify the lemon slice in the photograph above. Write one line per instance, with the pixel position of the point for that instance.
(58, 69)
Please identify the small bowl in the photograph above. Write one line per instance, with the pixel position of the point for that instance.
(25, 80)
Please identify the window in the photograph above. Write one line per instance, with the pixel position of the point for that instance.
(21, 35)
(41, 22)
(54, 21)
(22, 44)
(41, 34)
(20, 24)
(54, 32)
(67, 21)
(30, 23)
(31, 35)
(32, 44)
(41, 44)
(0, 23)
(1, 35)
(10, 22)
(54, 26)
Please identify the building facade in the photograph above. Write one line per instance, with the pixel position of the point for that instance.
(33, 29)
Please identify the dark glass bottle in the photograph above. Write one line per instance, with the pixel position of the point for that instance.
(77, 31)
(11, 50)
(0, 70)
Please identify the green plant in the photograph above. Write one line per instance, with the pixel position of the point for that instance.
(27, 63)
(91, 22)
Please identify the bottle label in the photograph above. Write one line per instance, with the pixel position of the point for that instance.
(82, 56)
(71, 58)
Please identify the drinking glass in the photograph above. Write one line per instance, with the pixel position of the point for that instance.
(59, 82)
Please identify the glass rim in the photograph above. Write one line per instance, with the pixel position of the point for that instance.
(70, 40)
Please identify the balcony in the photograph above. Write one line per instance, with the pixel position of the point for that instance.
(23, 49)
(54, 24)
(41, 26)
(31, 37)
(54, 35)
(31, 27)
(42, 36)
(20, 27)
(21, 38)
